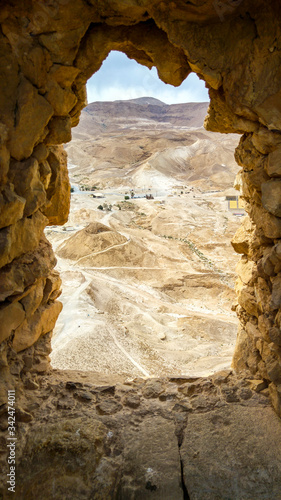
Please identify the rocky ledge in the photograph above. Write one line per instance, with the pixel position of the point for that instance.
(82, 435)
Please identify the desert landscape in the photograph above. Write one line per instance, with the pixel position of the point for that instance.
(145, 257)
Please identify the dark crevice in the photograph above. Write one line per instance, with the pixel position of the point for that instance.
(183, 485)
(179, 432)
(180, 425)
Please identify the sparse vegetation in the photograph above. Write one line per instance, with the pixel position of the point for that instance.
(195, 250)
(107, 207)
(128, 205)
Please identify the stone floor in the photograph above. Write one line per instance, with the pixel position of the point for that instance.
(84, 436)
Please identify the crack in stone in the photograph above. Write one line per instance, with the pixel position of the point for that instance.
(183, 485)
(179, 432)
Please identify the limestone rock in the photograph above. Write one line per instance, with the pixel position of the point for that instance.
(33, 114)
(275, 335)
(26, 179)
(205, 439)
(241, 352)
(33, 299)
(11, 207)
(25, 270)
(59, 130)
(242, 238)
(64, 75)
(220, 117)
(273, 367)
(247, 300)
(146, 42)
(253, 178)
(266, 141)
(21, 237)
(247, 155)
(270, 111)
(81, 103)
(4, 153)
(132, 400)
(45, 174)
(108, 407)
(61, 100)
(35, 65)
(11, 317)
(262, 294)
(58, 192)
(9, 83)
(268, 263)
(153, 389)
(61, 447)
(63, 45)
(246, 270)
(253, 331)
(271, 197)
(273, 164)
(145, 445)
(266, 222)
(23, 415)
(275, 301)
(40, 152)
(52, 287)
(42, 321)
(161, 449)
(275, 392)
(257, 385)
(264, 326)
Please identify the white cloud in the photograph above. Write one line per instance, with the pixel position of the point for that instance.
(123, 78)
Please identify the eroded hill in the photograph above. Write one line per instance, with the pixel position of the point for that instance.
(148, 281)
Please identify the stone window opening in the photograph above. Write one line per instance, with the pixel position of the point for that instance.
(141, 340)
(83, 437)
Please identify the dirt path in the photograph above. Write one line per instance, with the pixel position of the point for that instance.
(120, 245)
(137, 289)
(68, 327)
(144, 320)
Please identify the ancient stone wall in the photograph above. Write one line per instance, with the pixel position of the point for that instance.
(48, 50)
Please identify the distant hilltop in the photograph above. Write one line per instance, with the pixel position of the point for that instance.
(136, 113)
(144, 100)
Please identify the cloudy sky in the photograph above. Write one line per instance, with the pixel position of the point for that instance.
(123, 78)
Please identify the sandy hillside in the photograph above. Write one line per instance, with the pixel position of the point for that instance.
(145, 145)
(147, 283)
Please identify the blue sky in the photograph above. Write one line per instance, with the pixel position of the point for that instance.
(123, 78)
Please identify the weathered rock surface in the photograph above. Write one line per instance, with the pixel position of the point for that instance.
(47, 52)
(58, 188)
(271, 197)
(80, 436)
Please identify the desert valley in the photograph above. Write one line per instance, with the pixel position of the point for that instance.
(145, 258)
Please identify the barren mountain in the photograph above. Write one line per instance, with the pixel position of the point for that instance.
(144, 143)
(148, 281)
(111, 116)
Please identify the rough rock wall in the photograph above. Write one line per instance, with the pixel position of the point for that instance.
(48, 50)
